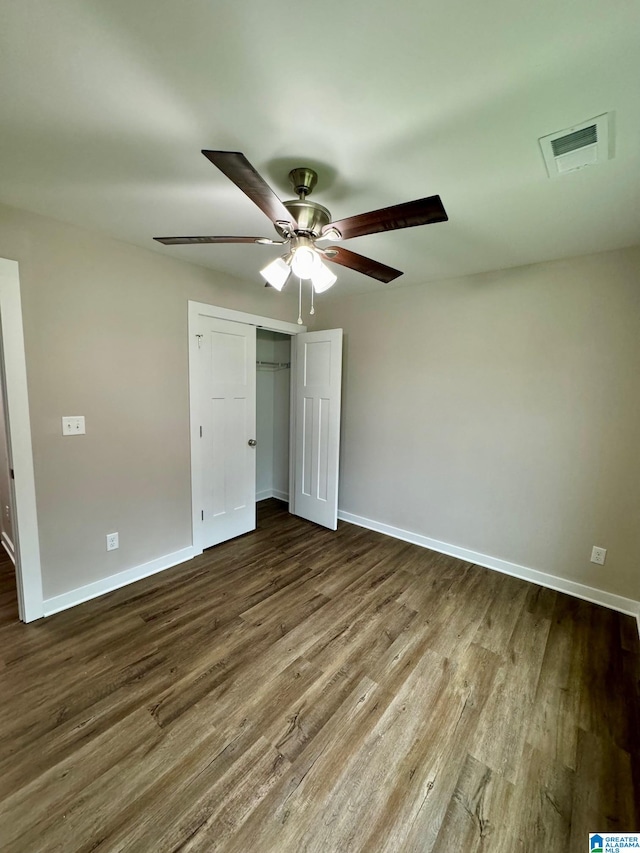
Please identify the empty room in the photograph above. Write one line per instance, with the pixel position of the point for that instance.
(320, 417)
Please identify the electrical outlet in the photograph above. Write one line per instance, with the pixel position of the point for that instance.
(112, 541)
(598, 555)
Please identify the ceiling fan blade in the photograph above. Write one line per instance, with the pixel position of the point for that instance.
(177, 241)
(423, 211)
(239, 170)
(361, 264)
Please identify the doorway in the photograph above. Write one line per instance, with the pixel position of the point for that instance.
(222, 392)
(223, 376)
(21, 485)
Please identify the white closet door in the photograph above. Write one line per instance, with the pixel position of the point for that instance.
(227, 373)
(318, 380)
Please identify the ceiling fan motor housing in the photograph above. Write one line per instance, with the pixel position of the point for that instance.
(310, 216)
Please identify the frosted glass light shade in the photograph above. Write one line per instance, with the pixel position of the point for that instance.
(276, 273)
(323, 279)
(305, 262)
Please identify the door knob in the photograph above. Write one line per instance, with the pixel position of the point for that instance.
(252, 442)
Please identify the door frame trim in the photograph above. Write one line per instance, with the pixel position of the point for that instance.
(25, 526)
(197, 309)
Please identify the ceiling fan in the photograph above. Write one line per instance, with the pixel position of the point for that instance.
(303, 225)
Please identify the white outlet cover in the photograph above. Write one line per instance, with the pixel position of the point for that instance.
(112, 541)
(598, 555)
(73, 425)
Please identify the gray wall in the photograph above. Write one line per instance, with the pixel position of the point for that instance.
(501, 413)
(106, 337)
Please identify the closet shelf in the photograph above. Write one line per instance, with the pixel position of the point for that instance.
(273, 365)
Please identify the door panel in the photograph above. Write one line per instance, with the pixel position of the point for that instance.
(227, 411)
(318, 377)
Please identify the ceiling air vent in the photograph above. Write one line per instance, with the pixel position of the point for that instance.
(576, 147)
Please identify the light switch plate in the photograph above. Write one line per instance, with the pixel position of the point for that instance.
(73, 425)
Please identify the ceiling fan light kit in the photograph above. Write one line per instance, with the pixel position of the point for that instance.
(323, 279)
(276, 273)
(305, 261)
(302, 224)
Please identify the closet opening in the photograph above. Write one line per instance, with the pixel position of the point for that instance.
(273, 394)
(264, 398)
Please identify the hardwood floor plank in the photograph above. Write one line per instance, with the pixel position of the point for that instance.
(417, 798)
(29, 803)
(196, 791)
(433, 575)
(544, 802)
(631, 682)
(505, 722)
(38, 721)
(553, 724)
(105, 799)
(454, 618)
(601, 712)
(476, 812)
(541, 601)
(389, 769)
(286, 813)
(603, 798)
(500, 618)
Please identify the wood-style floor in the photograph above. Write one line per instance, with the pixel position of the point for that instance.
(302, 690)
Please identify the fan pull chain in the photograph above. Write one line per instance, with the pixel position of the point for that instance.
(313, 310)
(299, 301)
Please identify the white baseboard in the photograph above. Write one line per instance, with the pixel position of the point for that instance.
(597, 596)
(7, 544)
(108, 584)
(272, 493)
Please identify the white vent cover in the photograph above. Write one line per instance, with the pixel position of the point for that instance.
(576, 147)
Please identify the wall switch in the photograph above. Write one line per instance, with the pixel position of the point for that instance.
(73, 425)
(112, 541)
(598, 555)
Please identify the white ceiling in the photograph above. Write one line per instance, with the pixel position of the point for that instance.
(105, 105)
